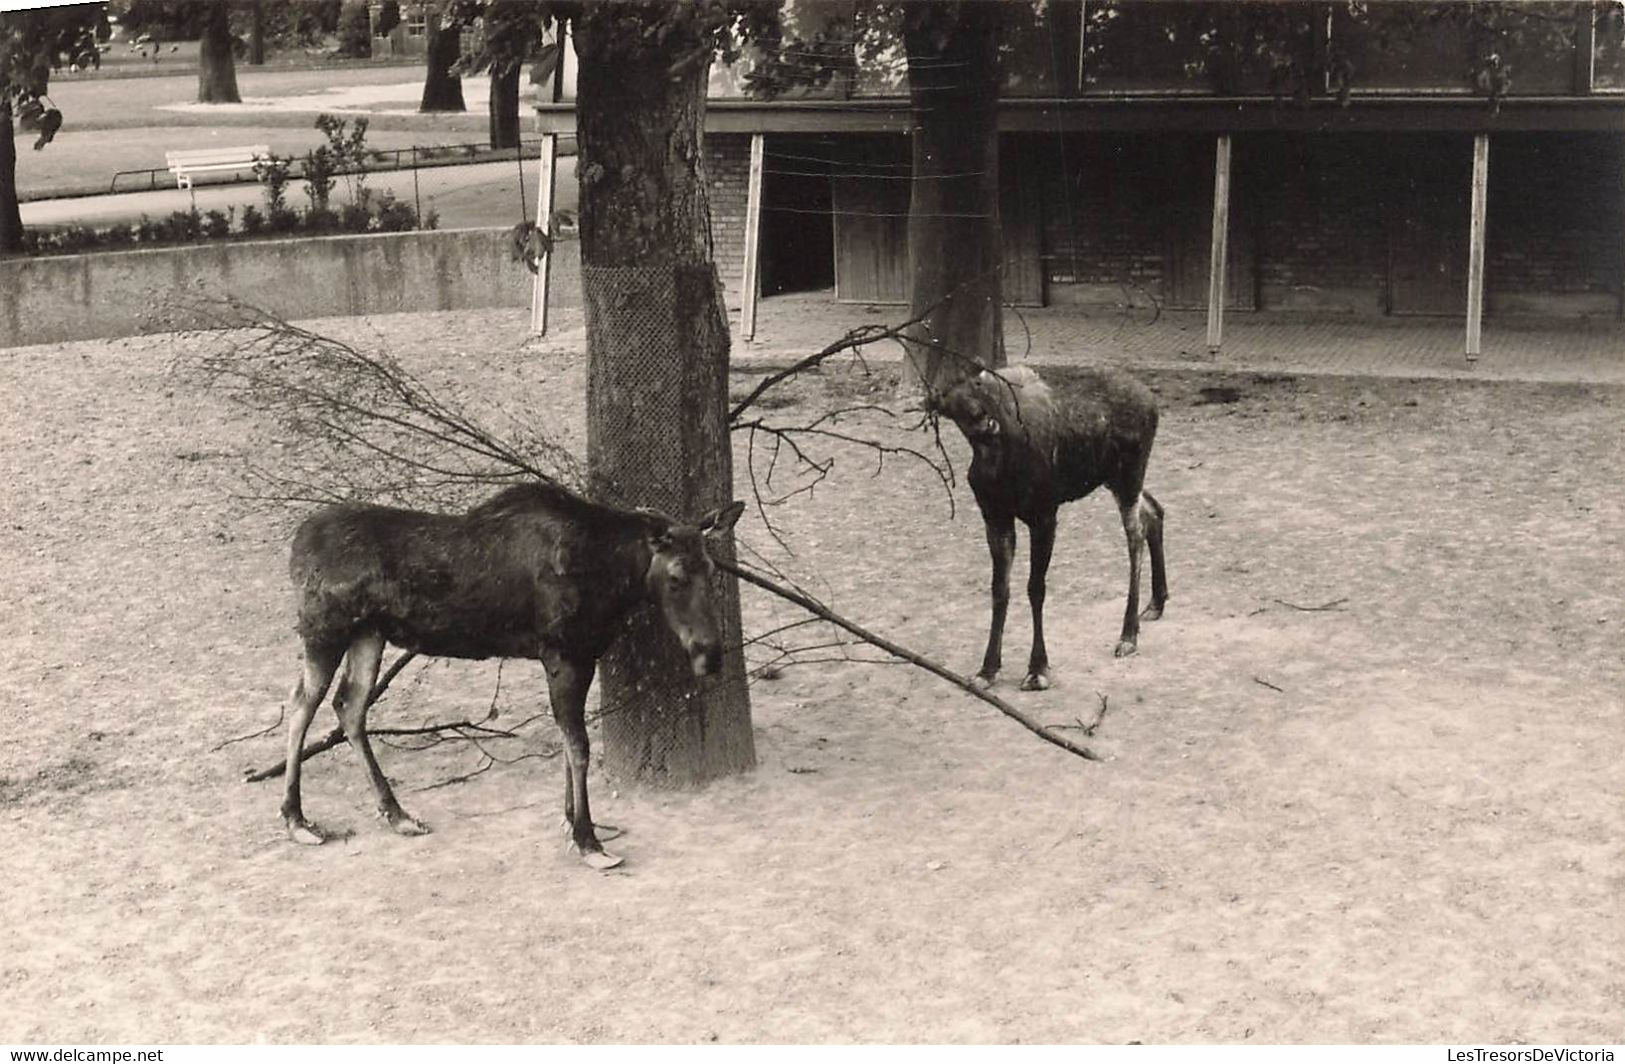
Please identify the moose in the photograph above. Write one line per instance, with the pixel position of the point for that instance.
(533, 572)
(1031, 451)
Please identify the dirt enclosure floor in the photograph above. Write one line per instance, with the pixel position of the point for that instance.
(1397, 819)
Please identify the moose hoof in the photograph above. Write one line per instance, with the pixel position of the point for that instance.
(401, 824)
(600, 860)
(981, 681)
(1152, 613)
(605, 832)
(1124, 649)
(304, 834)
(1036, 681)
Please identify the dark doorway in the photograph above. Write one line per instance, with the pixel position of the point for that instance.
(1429, 196)
(798, 229)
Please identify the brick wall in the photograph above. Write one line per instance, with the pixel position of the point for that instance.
(1353, 223)
(1358, 223)
(727, 175)
(1108, 204)
(1321, 240)
(1556, 223)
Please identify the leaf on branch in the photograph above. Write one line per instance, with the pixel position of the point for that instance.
(541, 71)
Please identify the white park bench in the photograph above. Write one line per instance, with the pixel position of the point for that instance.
(184, 164)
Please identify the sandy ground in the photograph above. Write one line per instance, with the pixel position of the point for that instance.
(1397, 820)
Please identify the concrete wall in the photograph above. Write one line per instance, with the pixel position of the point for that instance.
(83, 297)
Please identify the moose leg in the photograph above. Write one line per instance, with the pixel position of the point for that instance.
(1043, 533)
(1134, 530)
(567, 683)
(317, 673)
(360, 674)
(1151, 520)
(1001, 544)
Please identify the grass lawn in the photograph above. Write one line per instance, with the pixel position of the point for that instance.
(114, 124)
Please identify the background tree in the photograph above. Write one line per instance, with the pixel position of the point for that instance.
(209, 24)
(216, 57)
(511, 33)
(256, 33)
(32, 44)
(355, 31)
(442, 87)
(955, 246)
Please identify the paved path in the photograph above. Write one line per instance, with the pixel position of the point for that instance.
(479, 194)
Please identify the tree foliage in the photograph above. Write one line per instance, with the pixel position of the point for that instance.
(33, 44)
(286, 23)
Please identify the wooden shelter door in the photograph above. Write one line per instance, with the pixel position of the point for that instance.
(1021, 217)
(871, 239)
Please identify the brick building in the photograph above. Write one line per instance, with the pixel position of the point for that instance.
(1341, 144)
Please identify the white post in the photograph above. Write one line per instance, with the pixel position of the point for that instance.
(1221, 242)
(1475, 250)
(546, 179)
(750, 282)
(1083, 38)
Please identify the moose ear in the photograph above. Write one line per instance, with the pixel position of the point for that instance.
(723, 518)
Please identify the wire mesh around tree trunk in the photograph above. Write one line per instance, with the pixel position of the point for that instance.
(657, 437)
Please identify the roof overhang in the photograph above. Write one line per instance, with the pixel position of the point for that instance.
(1363, 114)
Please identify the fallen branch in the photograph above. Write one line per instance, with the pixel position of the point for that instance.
(1325, 607)
(1088, 729)
(1043, 731)
(336, 736)
(1266, 683)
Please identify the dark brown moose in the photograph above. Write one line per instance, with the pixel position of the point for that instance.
(533, 572)
(1033, 449)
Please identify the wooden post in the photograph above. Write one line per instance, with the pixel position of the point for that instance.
(750, 282)
(1585, 49)
(1475, 250)
(1083, 38)
(1221, 242)
(545, 182)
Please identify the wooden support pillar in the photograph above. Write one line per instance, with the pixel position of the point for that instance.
(1083, 38)
(1585, 49)
(1475, 246)
(1221, 244)
(750, 282)
(546, 180)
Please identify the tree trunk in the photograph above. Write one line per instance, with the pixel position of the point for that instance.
(657, 350)
(504, 101)
(11, 219)
(217, 66)
(955, 253)
(256, 37)
(442, 90)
